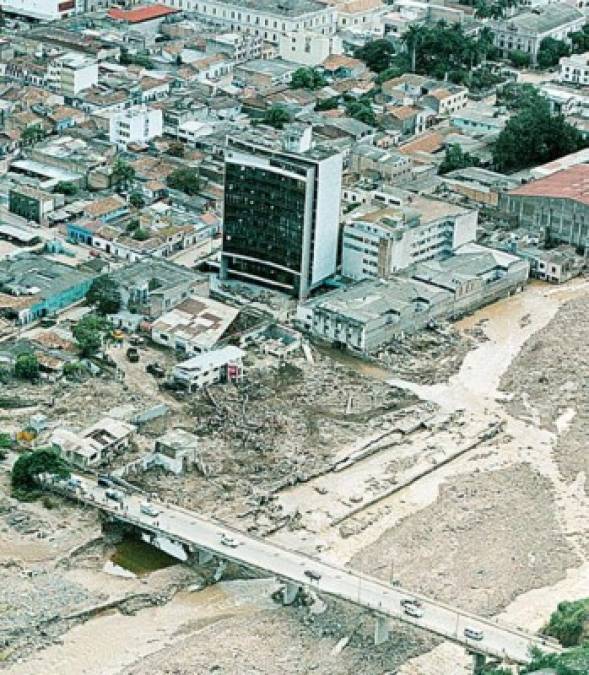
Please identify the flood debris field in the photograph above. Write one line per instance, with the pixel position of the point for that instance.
(549, 384)
(282, 426)
(316, 457)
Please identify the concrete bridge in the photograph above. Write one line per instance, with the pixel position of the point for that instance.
(185, 533)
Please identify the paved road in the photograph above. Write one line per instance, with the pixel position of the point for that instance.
(498, 640)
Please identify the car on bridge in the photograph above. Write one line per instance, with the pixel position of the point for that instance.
(412, 608)
(149, 509)
(314, 576)
(226, 540)
(473, 633)
(115, 495)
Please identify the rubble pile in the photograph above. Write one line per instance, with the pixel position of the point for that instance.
(279, 427)
(430, 356)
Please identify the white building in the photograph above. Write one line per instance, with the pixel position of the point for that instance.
(72, 73)
(193, 326)
(392, 239)
(135, 125)
(525, 32)
(51, 10)
(575, 68)
(361, 16)
(96, 444)
(267, 20)
(220, 365)
(308, 48)
(282, 210)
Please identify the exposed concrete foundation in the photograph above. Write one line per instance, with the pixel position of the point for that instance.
(381, 630)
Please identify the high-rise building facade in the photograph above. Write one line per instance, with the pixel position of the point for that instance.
(281, 215)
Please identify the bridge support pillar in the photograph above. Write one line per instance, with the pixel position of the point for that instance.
(290, 592)
(478, 663)
(204, 556)
(381, 630)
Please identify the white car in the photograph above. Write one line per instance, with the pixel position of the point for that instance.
(473, 634)
(149, 509)
(229, 541)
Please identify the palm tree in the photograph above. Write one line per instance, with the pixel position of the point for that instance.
(412, 38)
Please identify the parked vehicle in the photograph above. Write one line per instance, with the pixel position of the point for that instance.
(74, 483)
(473, 634)
(315, 576)
(229, 541)
(133, 354)
(155, 369)
(115, 495)
(149, 509)
(413, 602)
(104, 480)
(136, 340)
(412, 610)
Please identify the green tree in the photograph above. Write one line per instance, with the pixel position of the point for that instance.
(27, 367)
(551, 51)
(376, 54)
(519, 59)
(455, 158)
(89, 332)
(276, 116)
(567, 623)
(362, 111)
(141, 234)
(517, 96)
(32, 135)
(104, 294)
(136, 200)
(535, 136)
(411, 39)
(123, 174)
(307, 78)
(327, 103)
(66, 188)
(30, 465)
(186, 180)
(176, 149)
(6, 441)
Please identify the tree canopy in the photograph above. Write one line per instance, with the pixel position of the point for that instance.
(136, 200)
(89, 332)
(551, 51)
(276, 116)
(104, 294)
(307, 78)
(27, 367)
(123, 174)
(376, 54)
(517, 96)
(185, 180)
(362, 111)
(440, 51)
(66, 188)
(31, 464)
(535, 136)
(567, 623)
(455, 158)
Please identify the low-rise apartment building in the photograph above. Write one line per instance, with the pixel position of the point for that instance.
(138, 124)
(369, 314)
(220, 365)
(386, 241)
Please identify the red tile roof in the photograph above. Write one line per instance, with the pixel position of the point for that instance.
(139, 14)
(570, 183)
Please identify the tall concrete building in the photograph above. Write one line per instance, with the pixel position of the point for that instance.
(282, 209)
